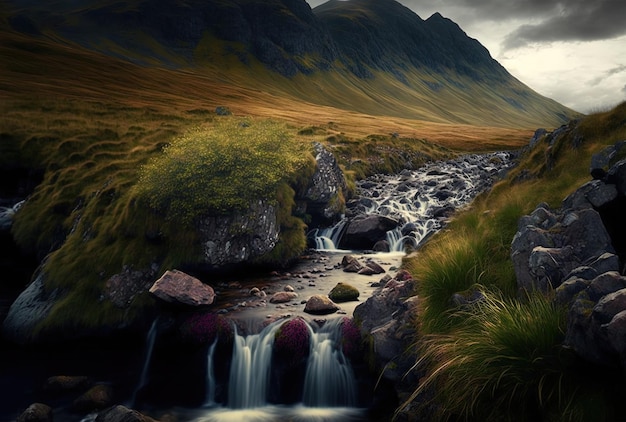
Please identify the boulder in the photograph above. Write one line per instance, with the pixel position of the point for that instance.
(343, 292)
(36, 412)
(325, 193)
(232, 239)
(363, 232)
(320, 305)
(283, 297)
(30, 308)
(176, 287)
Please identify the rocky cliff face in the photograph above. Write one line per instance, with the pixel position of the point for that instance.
(387, 36)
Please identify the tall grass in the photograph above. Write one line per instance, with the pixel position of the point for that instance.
(504, 362)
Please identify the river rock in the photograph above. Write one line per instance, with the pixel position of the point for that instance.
(123, 287)
(60, 384)
(363, 232)
(36, 412)
(98, 397)
(343, 292)
(179, 288)
(121, 413)
(283, 297)
(351, 264)
(320, 305)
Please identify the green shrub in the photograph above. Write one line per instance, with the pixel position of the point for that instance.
(220, 169)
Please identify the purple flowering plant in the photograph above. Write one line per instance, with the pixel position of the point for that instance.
(205, 328)
(292, 340)
(351, 337)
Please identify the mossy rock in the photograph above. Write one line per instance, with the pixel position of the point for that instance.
(343, 292)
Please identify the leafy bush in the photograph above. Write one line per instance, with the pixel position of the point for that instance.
(220, 169)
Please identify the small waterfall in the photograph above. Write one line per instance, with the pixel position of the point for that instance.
(143, 379)
(329, 238)
(210, 376)
(251, 368)
(329, 379)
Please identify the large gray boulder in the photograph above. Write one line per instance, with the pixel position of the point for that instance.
(232, 239)
(553, 243)
(324, 195)
(30, 308)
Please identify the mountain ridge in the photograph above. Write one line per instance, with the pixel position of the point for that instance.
(394, 63)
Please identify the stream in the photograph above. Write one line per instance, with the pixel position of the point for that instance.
(328, 387)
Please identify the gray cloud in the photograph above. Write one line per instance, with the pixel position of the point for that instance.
(607, 74)
(576, 21)
(548, 20)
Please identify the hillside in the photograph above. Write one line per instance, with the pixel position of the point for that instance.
(427, 70)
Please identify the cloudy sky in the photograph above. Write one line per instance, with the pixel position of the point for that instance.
(573, 51)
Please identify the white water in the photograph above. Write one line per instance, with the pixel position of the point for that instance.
(417, 199)
(210, 376)
(329, 389)
(328, 238)
(143, 379)
(329, 380)
(251, 369)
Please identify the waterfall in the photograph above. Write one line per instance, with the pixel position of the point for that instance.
(251, 368)
(143, 379)
(329, 238)
(210, 376)
(329, 379)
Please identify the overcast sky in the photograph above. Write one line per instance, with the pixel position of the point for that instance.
(573, 51)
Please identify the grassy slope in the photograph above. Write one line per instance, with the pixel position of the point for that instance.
(39, 69)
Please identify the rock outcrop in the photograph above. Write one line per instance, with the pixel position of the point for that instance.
(578, 251)
(324, 198)
(233, 239)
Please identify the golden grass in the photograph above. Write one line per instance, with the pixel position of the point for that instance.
(36, 69)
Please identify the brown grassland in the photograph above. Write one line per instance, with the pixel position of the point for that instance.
(38, 70)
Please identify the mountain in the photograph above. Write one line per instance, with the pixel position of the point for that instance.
(370, 56)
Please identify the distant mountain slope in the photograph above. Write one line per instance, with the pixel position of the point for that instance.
(384, 35)
(370, 56)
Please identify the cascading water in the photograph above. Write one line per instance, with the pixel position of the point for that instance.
(251, 369)
(330, 392)
(420, 200)
(329, 379)
(328, 238)
(143, 379)
(210, 376)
